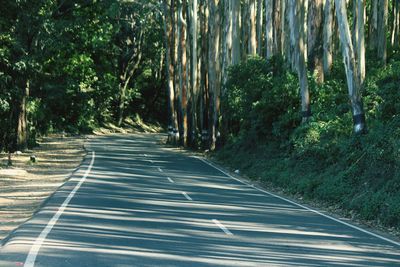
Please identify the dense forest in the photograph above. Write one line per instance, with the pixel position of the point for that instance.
(298, 94)
(75, 65)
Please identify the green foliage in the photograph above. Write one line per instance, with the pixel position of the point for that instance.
(258, 94)
(73, 53)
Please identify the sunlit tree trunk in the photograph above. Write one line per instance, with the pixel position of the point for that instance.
(395, 24)
(353, 82)
(269, 42)
(169, 44)
(259, 27)
(253, 29)
(183, 74)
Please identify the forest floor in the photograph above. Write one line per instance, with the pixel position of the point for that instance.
(25, 185)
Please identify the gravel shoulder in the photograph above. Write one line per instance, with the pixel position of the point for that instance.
(25, 185)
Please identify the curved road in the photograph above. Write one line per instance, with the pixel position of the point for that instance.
(136, 203)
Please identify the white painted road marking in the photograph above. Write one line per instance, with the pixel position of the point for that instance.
(171, 181)
(223, 228)
(31, 258)
(302, 206)
(159, 169)
(187, 196)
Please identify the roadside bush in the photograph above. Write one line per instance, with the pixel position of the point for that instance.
(261, 99)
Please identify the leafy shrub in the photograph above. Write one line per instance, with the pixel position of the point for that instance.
(261, 99)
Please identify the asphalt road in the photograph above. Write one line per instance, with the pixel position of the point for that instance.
(136, 203)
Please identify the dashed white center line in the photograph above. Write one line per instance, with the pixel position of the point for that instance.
(187, 196)
(223, 228)
(171, 181)
(159, 169)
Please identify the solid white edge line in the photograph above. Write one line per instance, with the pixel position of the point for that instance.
(187, 196)
(302, 206)
(171, 181)
(222, 227)
(33, 252)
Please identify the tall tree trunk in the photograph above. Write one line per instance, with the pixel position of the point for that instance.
(360, 41)
(169, 55)
(297, 19)
(396, 24)
(301, 10)
(253, 29)
(328, 36)
(245, 29)
(259, 26)
(277, 31)
(269, 28)
(22, 127)
(382, 30)
(204, 115)
(235, 32)
(353, 82)
(373, 25)
(214, 86)
(183, 91)
(194, 95)
(283, 27)
(226, 41)
(315, 38)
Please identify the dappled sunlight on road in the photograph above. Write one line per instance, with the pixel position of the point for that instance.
(128, 212)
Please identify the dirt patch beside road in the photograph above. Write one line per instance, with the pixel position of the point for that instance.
(25, 185)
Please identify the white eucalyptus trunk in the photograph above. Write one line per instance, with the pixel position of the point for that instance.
(269, 42)
(353, 81)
